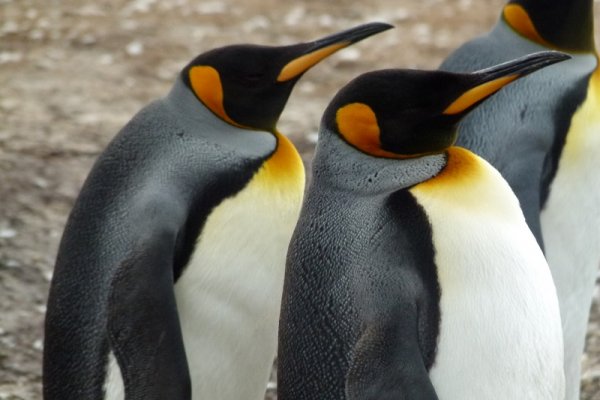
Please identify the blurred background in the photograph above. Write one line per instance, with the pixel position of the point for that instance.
(73, 72)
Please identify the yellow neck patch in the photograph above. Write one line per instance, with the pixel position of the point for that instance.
(462, 166)
(303, 63)
(206, 84)
(478, 93)
(518, 19)
(470, 185)
(283, 172)
(357, 123)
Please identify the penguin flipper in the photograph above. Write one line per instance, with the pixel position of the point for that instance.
(388, 365)
(143, 324)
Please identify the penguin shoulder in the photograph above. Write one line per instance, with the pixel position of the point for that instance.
(468, 183)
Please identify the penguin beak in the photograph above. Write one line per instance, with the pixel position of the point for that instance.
(312, 53)
(488, 81)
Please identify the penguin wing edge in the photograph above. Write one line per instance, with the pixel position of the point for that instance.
(143, 323)
(388, 365)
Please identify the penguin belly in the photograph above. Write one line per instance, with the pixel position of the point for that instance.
(230, 293)
(571, 228)
(500, 334)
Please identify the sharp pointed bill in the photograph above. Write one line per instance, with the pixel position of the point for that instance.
(488, 81)
(318, 50)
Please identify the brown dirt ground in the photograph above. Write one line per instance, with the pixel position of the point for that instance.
(72, 72)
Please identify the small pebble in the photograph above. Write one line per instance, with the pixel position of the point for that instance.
(106, 59)
(38, 344)
(7, 233)
(10, 57)
(135, 48)
(212, 7)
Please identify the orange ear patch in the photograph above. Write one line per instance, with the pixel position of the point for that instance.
(303, 63)
(357, 123)
(206, 84)
(478, 93)
(516, 16)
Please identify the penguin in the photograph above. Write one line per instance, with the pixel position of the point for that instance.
(543, 135)
(169, 274)
(412, 273)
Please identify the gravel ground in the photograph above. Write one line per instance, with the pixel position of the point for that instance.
(73, 72)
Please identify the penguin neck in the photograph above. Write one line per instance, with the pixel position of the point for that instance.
(341, 168)
(284, 167)
(182, 100)
(195, 119)
(566, 25)
(468, 182)
(193, 113)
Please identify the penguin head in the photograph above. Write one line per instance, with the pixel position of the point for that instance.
(410, 113)
(558, 24)
(249, 85)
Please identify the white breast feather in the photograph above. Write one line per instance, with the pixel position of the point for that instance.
(500, 335)
(229, 296)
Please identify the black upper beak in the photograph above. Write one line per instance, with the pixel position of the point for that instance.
(485, 82)
(311, 53)
(522, 66)
(349, 36)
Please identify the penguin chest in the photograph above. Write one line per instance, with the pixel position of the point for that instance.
(500, 325)
(500, 335)
(229, 294)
